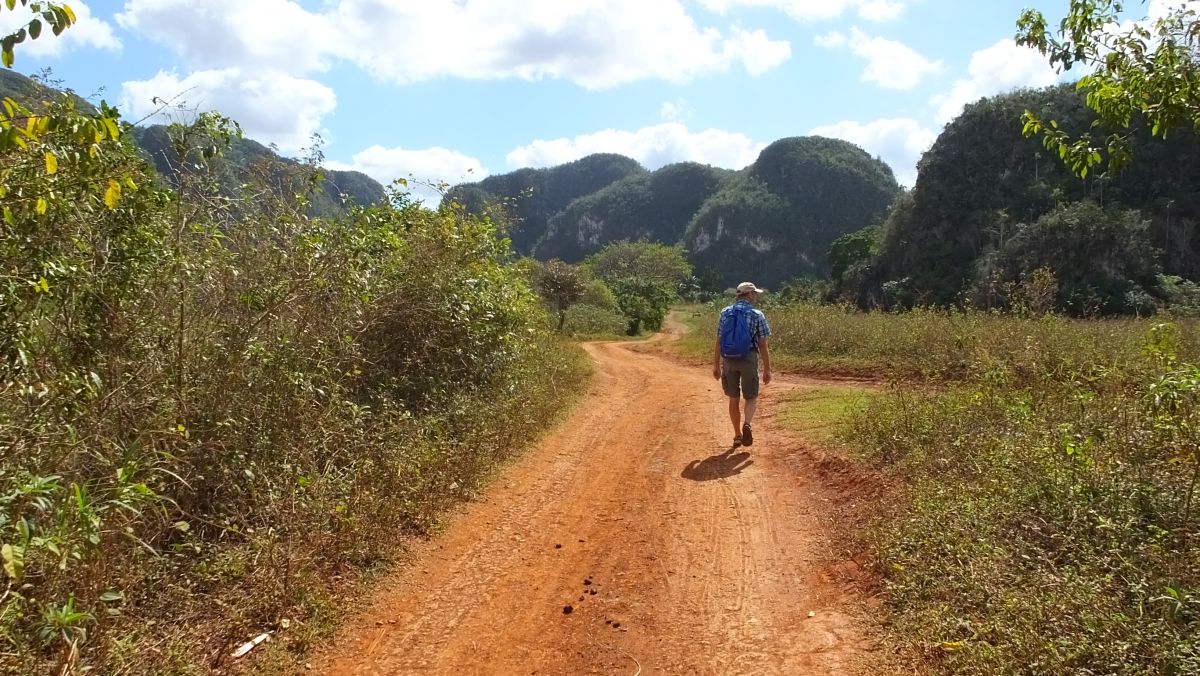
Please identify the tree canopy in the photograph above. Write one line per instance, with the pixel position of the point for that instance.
(1139, 74)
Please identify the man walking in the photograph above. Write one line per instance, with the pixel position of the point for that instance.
(742, 333)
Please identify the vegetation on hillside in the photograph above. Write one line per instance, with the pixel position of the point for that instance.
(650, 207)
(777, 216)
(216, 411)
(528, 198)
(241, 161)
(982, 190)
(781, 217)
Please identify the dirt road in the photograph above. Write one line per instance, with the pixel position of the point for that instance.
(631, 540)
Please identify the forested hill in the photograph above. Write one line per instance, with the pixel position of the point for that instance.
(531, 197)
(772, 221)
(243, 157)
(991, 208)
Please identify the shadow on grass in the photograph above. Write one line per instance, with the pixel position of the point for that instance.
(719, 466)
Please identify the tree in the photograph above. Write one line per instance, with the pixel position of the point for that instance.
(644, 260)
(560, 284)
(645, 278)
(54, 14)
(851, 249)
(1102, 260)
(1147, 73)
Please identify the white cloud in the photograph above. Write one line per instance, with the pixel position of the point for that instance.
(271, 107)
(881, 10)
(890, 64)
(830, 40)
(1002, 67)
(899, 141)
(814, 10)
(653, 147)
(423, 169)
(675, 111)
(594, 43)
(88, 31)
(213, 34)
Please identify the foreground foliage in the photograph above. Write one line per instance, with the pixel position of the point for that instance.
(214, 408)
(1142, 71)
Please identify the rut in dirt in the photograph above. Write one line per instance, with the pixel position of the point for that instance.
(633, 539)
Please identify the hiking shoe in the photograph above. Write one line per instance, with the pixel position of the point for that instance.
(737, 441)
(747, 435)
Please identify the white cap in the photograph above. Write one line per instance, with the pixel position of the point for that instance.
(748, 287)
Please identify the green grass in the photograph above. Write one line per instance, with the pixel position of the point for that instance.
(819, 413)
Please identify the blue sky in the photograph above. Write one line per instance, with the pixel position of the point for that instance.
(454, 90)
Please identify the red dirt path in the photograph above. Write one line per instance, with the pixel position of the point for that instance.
(675, 554)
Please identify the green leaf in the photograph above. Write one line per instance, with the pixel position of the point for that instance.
(35, 28)
(11, 4)
(112, 595)
(8, 216)
(14, 560)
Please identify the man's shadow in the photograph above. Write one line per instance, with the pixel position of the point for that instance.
(719, 466)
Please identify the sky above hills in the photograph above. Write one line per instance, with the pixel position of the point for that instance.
(455, 90)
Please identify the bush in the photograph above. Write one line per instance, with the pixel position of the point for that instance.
(211, 406)
(589, 320)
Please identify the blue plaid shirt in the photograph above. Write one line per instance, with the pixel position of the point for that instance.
(758, 321)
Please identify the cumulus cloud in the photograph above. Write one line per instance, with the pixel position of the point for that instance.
(593, 43)
(899, 141)
(814, 10)
(881, 10)
(88, 31)
(1002, 67)
(675, 111)
(653, 147)
(423, 169)
(215, 34)
(890, 64)
(271, 107)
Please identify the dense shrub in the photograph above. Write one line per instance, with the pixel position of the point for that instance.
(212, 407)
(585, 319)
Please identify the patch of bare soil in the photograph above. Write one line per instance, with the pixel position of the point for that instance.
(635, 540)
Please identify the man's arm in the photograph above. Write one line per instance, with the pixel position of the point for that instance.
(765, 353)
(717, 360)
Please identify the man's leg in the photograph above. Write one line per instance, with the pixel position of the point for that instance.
(735, 415)
(751, 406)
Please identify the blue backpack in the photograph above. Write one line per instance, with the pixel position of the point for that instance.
(736, 341)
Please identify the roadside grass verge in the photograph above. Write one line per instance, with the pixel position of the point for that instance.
(940, 345)
(819, 413)
(1044, 509)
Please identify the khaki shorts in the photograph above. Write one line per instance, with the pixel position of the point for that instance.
(739, 377)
